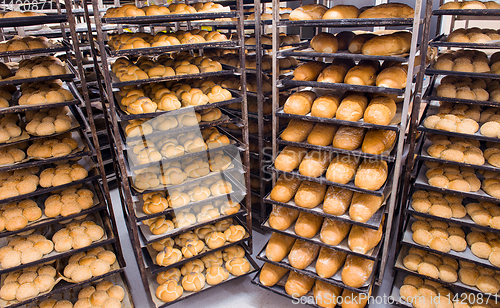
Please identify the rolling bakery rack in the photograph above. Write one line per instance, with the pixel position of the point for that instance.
(395, 157)
(42, 224)
(462, 215)
(130, 169)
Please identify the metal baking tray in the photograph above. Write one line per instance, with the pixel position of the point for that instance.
(466, 255)
(352, 22)
(68, 76)
(310, 271)
(32, 20)
(467, 12)
(153, 285)
(398, 283)
(166, 18)
(441, 41)
(373, 254)
(345, 86)
(341, 54)
(65, 46)
(431, 71)
(155, 269)
(163, 49)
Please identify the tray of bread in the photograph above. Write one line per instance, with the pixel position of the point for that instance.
(159, 257)
(36, 69)
(169, 17)
(476, 8)
(32, 45)
(23, 19)
(333, 267)
(459, 38)
(466, 63)
(335, 235)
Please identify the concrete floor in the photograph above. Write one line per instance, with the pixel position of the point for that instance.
(240, 293)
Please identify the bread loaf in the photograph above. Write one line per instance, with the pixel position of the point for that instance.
(334, 231)
(342, 12)
(281, 218)
(308, 71)
(289, 158)
(371, 175)
(337, 200)
(310, 194)
(329, 262)
(298, 285)
(334, 73)
(363, 206)
(392, 77)
(302, 254)
(356, 271)
(377, 141)
(381, 111)
(308, 12)
(362, 239)
(285, 189)
(356, 43)
(314, 163)
(324, 42)
(388, 10)
(388, 45)
(299, 102)
(325, 294)
(353, 300)
(297, 130)
(307, 225)
(342, 169)
(322, 134)
(363, 75)
(344, 39)
(325, 106)
(348, 137)
(278, 247)
(352, 107)
(270, 274)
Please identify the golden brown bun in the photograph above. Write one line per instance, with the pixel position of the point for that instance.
(322, 134)
(337, 200)
(298, 285)
(310, 194)
(389, 10)
(348, 137)
(285, 189)
(334, 73)
(352, 107)
(278, 247)
(377, 141)
(302, 254)
(289, 158)
(381, 111)
(371, 175)
(299, 102)
(362, 239)
(363, 206)
(325, 294)
(308, 12)
(281, 218)
(357, 42)
(324, 42)
(334, 231)
(387, 45)
(364, 75)
(325, 106)
(329, 262)
(297, 130)
(308, 71)
(307, 225)
(342, 12)
(392, 77)
(270, 274)
(314, 163)
(356, 271)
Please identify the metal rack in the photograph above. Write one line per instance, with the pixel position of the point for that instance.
(126, 166)
(415, 178)
(88, 153)
(395, 156)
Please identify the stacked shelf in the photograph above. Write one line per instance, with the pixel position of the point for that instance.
(181, 174)
(462, 213)
(40, 207)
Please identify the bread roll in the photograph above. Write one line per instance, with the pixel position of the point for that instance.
(310, 194)
(344, 39)
(322, 134)
(381, 111)
(334, 73)
(352, 107)
(363, 75)
(353, 300)
(299, 102)
(324, 42)
(325, 106)
(362, 239)
(388, 45)
(285, 189)
(392, 77)
(363, 206)
(302, 254)
(337, 200)
(371, 175)
(308, 71)
(329, 262)
(342, 169)
(388, 10)
(281, 218)
(289, 158)
(308, 12)
(356, 271)
(356, 44)
(270, 274)
(298, 285)
(342, 12)
(334, 231)
(314, 163)
(348, 137)
(377, 141)
(307, 225)
(278, 247)
(297, 130)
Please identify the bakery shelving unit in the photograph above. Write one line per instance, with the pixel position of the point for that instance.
(127, 166)
(416, 179)
(395, 157)
(87, 153)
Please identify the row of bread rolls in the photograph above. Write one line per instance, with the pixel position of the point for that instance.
(420, 293)
(438, 204)
(193, 243)
(130, 10)
(470, 5)
(42, 93)
(330, 231)
(468, 61)
(25, 43)
(473, 35)
(41, 66)
(336, 201)
(15, 14)
(457, 121)
(461, 150)
(24, 250)
(28, 283)
(484, 245)
(367, 43)
(339, 168)
(194, 275)
(380, 109)
(484, 213)
(16, 215)
(104, 294)
(438, 235)
(300, 254)
(298, 285)
(453, 177)
(77, 235)
(469, 88)
(365, 73)
(9, 127)
(126, 40)
(90, 264)
(319, 11)
(47, 122)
